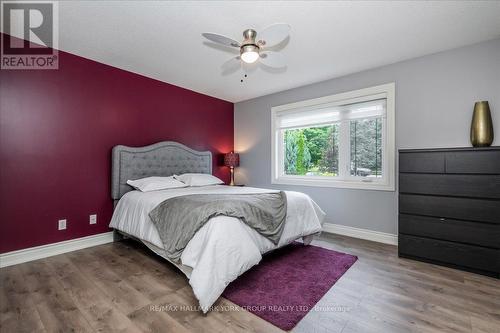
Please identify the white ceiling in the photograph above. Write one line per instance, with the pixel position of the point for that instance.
(163, 40)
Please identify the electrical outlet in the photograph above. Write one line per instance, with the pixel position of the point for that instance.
(93, 219)
(61, 224)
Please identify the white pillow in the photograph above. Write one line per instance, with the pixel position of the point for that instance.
(198, 179)
(155, 183)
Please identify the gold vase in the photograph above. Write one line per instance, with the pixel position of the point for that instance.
(481, 128)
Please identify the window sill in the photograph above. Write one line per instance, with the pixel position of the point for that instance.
(360, 185)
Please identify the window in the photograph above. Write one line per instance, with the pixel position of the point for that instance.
(344, 140)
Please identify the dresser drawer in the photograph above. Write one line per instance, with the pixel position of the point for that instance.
(457, 208)
(478, 162)
(478, 186)
(451, 230)
(428, 162)
(451, 253)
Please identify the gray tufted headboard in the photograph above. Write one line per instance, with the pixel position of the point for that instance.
(160, 159)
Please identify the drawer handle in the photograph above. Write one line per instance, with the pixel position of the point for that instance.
(442, 219)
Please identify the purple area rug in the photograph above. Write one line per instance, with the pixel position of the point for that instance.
(288, 283)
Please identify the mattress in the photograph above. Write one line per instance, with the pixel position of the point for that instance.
(224, 247)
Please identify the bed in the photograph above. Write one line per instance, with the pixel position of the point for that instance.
(224, 247)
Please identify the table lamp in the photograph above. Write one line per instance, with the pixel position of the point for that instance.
(232, 160)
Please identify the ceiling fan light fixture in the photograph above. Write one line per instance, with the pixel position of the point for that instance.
(254, 50)
(249, 53)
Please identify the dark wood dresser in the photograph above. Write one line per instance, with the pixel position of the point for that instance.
(449, 207)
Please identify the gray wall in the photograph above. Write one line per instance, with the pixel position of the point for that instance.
(435, 95)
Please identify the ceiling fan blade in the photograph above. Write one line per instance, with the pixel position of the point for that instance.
(221, 39)
(231, 65)
(272, 59)
(273, 34)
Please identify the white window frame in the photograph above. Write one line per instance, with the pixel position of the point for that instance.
(344, 180)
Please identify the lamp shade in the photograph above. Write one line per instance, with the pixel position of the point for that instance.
(232, 159)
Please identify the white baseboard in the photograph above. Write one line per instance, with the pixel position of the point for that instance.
(44, 251)
(375, 236)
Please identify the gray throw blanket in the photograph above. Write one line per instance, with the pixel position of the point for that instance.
(178, 219)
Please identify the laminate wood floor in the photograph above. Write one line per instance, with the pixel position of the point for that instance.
(123, 287)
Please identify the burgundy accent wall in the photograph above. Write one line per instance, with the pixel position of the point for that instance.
(57, 129)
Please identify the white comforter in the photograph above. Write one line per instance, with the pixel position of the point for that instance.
(223, 248)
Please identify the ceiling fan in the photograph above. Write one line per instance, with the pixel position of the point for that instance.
(255, 45)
